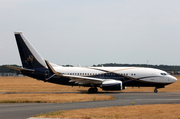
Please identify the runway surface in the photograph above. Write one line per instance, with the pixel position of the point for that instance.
(26, 110)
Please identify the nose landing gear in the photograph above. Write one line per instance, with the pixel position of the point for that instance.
(93, 90)
(155, 90)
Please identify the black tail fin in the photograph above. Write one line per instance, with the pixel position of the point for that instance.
(30, 58)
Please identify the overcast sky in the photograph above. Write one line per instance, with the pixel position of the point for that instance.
(88, 32)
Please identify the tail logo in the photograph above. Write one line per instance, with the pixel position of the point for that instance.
(30, 58)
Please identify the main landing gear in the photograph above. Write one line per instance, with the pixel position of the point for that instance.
(93, 90)
(155, 90)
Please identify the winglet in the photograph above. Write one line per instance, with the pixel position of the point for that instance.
(18, 32)
(51, 69)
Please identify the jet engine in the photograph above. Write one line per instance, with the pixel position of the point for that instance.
(110, 84)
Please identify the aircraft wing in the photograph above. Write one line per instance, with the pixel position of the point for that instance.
(84, 80)
(77, 79)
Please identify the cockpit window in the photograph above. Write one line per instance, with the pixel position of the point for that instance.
(163, 74)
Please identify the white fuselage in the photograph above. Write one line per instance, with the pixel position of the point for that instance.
(150, 75)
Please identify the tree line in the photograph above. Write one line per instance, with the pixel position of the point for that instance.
(174, 68)
(162, 67)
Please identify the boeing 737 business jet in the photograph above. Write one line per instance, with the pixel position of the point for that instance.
(107, 78)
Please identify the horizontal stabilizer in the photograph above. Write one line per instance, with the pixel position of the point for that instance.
(21, 69)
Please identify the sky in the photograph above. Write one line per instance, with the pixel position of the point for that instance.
(88, 32)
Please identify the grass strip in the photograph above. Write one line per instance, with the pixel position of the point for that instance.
(155, 111)
(51, 98)
(26, 84)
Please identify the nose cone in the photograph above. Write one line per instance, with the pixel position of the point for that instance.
(172, 79)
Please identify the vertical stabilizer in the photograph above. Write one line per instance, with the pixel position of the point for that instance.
(30, 58)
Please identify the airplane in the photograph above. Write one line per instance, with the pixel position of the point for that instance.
(107, 78)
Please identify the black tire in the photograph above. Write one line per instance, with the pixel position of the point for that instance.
(92, 90)
(155, 90)
(95, 90)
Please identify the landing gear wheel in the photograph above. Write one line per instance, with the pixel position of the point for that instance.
(155, 90)
(93, 90)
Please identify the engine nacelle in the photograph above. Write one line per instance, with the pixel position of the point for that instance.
(110, 84)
